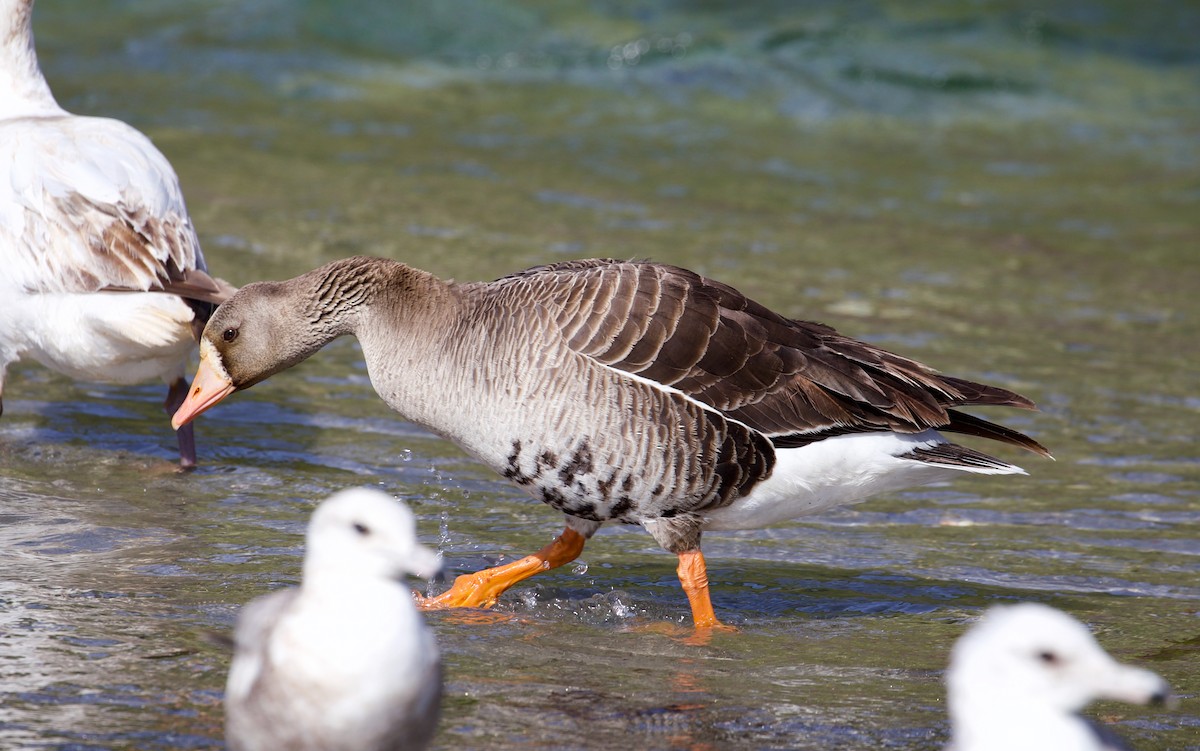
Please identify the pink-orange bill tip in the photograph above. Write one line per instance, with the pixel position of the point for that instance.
(208, 388)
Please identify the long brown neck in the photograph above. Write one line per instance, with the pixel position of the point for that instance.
(339, 291)
(346, 292)
(411, 326)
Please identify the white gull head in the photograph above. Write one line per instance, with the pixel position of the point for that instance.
(362, 532)
(1018, 679)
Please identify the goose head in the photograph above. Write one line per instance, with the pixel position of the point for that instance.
(267, 327)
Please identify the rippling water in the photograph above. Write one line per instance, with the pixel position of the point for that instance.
(1005, 191)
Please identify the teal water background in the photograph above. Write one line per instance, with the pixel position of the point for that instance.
(1008, 191)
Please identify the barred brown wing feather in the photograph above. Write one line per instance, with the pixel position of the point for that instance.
(779, 376)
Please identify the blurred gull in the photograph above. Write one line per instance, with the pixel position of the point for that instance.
(1018, 679)
(345, 661)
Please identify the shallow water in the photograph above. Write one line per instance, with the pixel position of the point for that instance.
(1005, 192)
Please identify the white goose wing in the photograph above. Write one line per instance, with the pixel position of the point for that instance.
(90, 204)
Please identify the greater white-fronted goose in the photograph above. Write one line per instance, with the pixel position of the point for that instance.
(101, 274)
(619, 391)
(1019, 678)
(344, 662)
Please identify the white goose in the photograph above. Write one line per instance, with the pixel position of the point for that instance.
(101, 274)
(344, 662)
(1019, 677)
(634, 392)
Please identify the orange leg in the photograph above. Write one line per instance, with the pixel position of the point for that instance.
(693, 575)
(480, 590)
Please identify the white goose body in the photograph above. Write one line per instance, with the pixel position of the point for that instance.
(108, 336)
(836, 472)
(101, 273)
(621, 391)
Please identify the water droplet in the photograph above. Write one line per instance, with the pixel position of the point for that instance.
(620, 609)
(580, 568)
(528, 598)
(406, 455)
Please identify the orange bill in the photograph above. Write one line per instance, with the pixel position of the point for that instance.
(208, 387)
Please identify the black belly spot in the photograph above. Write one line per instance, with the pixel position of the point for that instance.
(585, 510)
(658, 490)
(580, 463)
(627, 483)
(621, 507)
(604, 487)
(512, 469)
(555, 498)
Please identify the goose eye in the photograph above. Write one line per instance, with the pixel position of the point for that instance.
(362, 529)
(1048, 658)
(229, 334)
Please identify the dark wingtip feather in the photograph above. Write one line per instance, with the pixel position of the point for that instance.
(971, 392)
(953, 455)
(194, 284)
(961, 422)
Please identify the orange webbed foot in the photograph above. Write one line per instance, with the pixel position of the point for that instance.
(477, 590)
(482, 588)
